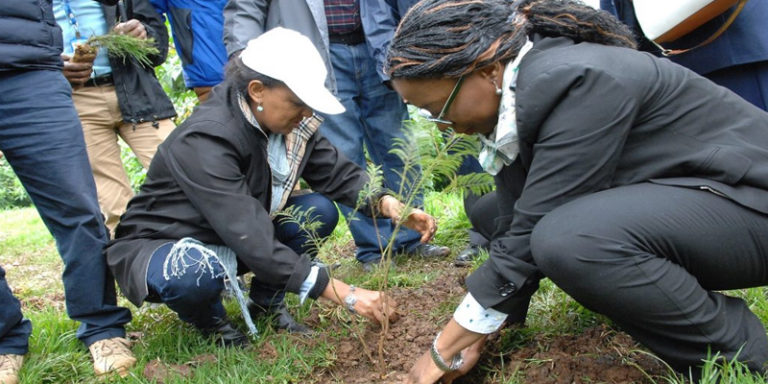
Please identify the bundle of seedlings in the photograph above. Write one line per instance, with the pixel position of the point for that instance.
(121, 46)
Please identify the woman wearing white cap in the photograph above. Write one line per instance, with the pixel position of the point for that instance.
(207, 207)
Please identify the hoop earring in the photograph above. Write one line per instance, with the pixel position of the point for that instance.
(259, 108)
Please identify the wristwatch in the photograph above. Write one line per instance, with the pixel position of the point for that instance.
(351, 299)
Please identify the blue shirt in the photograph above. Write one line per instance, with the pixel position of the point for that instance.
(90, 21)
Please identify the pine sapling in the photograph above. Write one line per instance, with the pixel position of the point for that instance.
(117, 45)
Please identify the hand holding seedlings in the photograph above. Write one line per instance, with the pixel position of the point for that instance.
(133, 28)
(78, 72)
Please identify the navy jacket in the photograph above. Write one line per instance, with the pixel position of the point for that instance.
(592, 117)
(29, 36)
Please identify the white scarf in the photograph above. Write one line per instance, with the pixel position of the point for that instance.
(501, 147)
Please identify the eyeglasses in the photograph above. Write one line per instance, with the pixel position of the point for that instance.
(440, 118)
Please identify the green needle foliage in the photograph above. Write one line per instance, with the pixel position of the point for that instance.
(125, 47)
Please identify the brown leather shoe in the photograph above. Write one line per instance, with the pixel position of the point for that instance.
(112, 356)
(9, 368)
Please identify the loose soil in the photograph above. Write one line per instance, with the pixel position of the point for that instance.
(597, 355)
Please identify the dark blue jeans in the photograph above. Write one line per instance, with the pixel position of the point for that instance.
(41, 136)
(14, 328)
(196, 297)
(374, 117)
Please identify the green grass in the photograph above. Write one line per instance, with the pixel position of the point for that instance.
(28, 253)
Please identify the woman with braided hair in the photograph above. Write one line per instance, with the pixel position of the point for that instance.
(635, 185)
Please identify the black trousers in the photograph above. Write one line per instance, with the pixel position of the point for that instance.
(482, 212)
(653, 258)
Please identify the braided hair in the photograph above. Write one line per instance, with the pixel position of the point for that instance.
(450, 38)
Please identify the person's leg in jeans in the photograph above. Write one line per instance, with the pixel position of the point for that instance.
(14, 333)
(264, 300)
(324, 214)
(45, 147)
(372, 118)
(194, 292)
(652, 258)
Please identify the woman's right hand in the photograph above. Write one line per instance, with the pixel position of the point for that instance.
(375, 305)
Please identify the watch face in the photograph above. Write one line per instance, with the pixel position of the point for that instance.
(350, 301)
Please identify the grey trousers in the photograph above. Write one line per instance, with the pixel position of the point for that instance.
(653, 258)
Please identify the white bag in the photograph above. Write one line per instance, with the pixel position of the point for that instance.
(668, 20)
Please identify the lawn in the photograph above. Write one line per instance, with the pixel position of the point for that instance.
(562, 341)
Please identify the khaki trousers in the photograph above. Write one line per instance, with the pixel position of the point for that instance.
(102, 124)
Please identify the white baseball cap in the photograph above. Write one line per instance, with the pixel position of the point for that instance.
(286, 55)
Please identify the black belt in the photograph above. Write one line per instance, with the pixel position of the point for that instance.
(99, 81)
(352, 38)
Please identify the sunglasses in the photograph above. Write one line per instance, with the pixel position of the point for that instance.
(440, 119)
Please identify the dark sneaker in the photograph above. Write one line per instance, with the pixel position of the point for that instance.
(280, 318)
(225, 334)
(429, 251)
(467, 256)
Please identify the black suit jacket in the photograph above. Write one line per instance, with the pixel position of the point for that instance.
(592, 117)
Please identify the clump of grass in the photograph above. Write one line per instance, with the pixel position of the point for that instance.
(121, 46)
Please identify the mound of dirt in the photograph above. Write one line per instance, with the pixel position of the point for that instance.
(598, 355)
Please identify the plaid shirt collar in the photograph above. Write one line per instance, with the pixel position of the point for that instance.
(295, 144)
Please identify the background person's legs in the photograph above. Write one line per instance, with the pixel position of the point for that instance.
(14, 328)
(14, 334)
(100, 116)
(374, 117)
(144, 138)
(650, 257)
(45, 147)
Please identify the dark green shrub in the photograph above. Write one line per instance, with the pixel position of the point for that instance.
(12, 193)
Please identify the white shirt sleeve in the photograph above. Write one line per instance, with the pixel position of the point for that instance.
(472, 316)
(308, 283)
